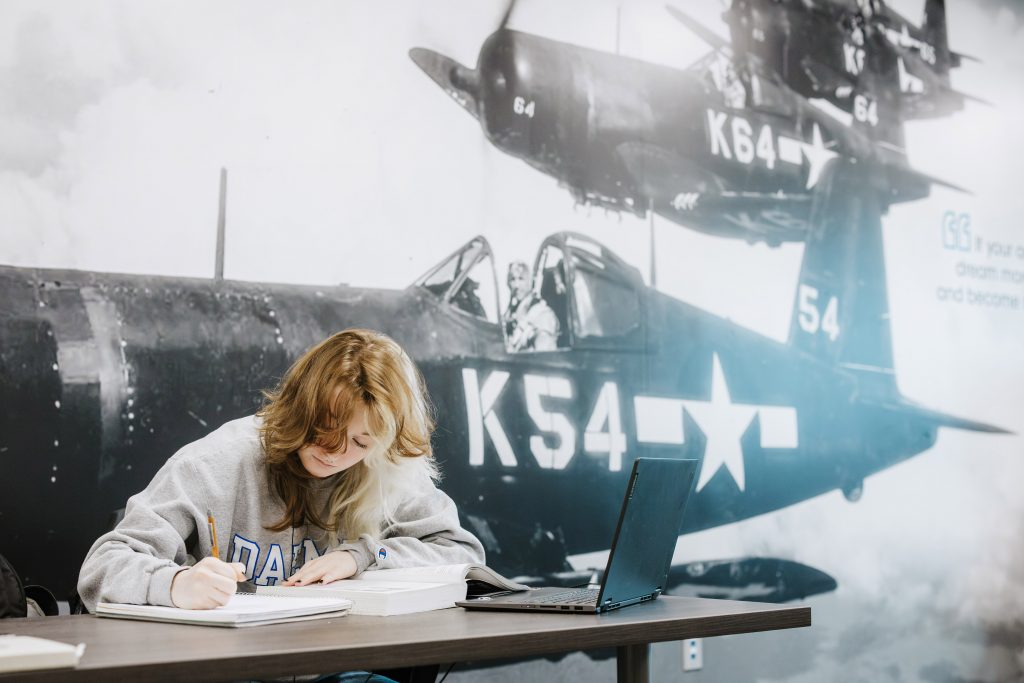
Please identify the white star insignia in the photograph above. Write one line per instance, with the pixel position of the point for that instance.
(817, 157)
(723, 424)
(659, 420)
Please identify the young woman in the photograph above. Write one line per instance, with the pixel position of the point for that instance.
(333, 476)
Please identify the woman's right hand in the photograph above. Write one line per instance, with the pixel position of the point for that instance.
(209, 583)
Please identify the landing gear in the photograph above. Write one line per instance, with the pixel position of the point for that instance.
(853, 491)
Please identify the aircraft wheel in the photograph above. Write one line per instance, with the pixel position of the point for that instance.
(853, 491)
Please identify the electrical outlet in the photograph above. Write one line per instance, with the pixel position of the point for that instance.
(693, 654)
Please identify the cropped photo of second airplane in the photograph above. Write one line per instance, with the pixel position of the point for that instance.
(733, 145)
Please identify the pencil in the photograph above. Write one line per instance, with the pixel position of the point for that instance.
(214, 550)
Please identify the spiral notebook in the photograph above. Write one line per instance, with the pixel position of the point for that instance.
(242, 610)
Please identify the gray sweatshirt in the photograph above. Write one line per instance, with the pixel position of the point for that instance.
(165, 526)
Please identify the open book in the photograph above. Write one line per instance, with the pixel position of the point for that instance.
(242, 610)
(27, 653)
(385, 592)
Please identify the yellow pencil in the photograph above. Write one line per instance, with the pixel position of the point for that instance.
(214, 550)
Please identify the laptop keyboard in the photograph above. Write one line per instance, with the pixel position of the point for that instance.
(582, 596)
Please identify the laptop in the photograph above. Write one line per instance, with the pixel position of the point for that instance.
(641, 550)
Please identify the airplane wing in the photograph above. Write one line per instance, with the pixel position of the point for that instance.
(958, 57)
(919, 177)
(942, 88)
(972, 98)
(679, 188)
(454, 78)
(764, 579)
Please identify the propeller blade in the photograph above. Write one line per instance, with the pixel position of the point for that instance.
(508, 12)
(703, 32)
(460, 82)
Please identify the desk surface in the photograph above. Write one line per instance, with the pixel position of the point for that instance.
(171, 652)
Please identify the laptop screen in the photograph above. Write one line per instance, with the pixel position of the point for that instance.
(649, 523)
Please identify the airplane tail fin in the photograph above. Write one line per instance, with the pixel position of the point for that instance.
(841, 312)
(935, 34)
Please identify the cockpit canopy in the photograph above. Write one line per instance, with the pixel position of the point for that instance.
(581, 295)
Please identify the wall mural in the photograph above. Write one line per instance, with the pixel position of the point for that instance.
(557, 349)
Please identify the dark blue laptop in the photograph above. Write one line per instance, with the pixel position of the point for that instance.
(641, 550)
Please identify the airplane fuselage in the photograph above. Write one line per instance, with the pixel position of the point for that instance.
(724, 152)
(874, 64)
(105, 376)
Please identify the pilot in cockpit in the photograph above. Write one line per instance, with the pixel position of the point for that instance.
(729, 81)
(530, 324)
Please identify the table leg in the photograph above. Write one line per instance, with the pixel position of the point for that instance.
(632, 663)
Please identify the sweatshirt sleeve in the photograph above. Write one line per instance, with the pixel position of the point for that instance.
(136, 561)
(425, 531)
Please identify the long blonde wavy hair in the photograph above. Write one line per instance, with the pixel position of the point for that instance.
(314, 403)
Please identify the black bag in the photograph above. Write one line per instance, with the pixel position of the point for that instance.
(12, 592)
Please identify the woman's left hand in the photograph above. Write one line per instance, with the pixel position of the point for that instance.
(329, 567)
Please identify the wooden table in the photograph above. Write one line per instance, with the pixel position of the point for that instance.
(133, 650)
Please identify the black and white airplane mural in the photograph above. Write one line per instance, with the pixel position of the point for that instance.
(104, 376)
(860, 55)
(731, 145)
